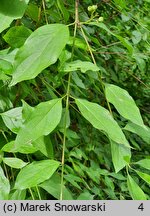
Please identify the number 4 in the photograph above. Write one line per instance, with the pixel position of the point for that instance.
(141, 207)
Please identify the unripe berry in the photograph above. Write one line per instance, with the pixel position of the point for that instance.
(92, 8)
(100, 19)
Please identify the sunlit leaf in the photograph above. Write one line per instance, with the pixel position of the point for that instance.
(142, 131)
(101, 119)
(124, 103)
(5, 22)
(26, 149)
(35, 173)
(43, 120)
(14, 162)
(31, 58)
(4, 186)
(13, 119)
(120, 156)
(145, 163)
(44, 145)
(144, 176)
(18, 195)
(134, 190)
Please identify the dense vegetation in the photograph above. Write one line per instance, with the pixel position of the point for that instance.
(74, 99)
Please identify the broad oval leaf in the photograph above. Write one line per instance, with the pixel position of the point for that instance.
(120, 155)
(13, 8)
(14, 162)
(145, 163)
(4, 186)
(134, 190)
(42, 120)
(124, 103)
(101, 119)
(41, 49)
(35, 173)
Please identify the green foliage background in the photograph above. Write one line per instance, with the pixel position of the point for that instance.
(74, 100)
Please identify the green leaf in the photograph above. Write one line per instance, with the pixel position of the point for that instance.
(63, 10)
(144, 176)
(79, 43)
(17, 35)
(8, 55)
(5, 22)
(124, 103)
(102, 26)
(80, 65)
(142, 131)
(145, 163)
(77, 80)
(9, 147)
(44, 145)
(120, 156)
(73, 179)
(14, 162)
(53, 187)
(35, 173)
(42, 120)
(65, 120)
(26, 110)
(4, 186)
(18, 195)
(13, 119)
(101, 119)
(137, 36)
(124, 41)
(85, 195)
(135, 191)
(13, 8)
(5, 67)
(1, 155)
(141, 62)
(26, 149)
(121, 4)
(32, 59)
(33, 12)
(94, 174)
